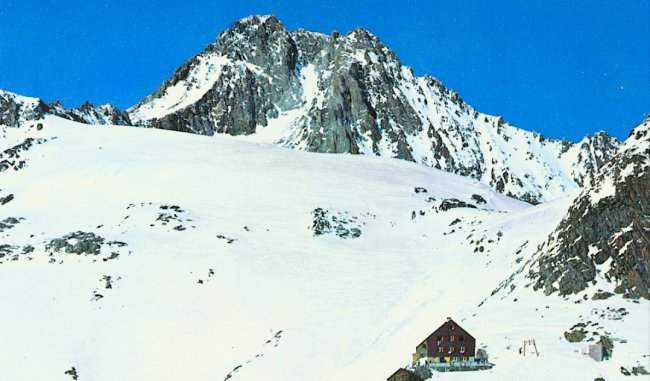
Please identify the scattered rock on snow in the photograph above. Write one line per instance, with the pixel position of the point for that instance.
(342, 224)
(451, 203)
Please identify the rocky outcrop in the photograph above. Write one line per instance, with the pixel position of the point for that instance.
(605, 234)
(15, 109)
(12, 158)
(351, 94)
(593, 154)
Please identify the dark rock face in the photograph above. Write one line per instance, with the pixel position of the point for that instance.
(350, 94)
(605, 232)
(594, 153)
(15, 109)
(261, 79)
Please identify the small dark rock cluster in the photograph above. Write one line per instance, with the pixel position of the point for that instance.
(635, 371)
(343, 225)
(13, 252)
(9, 223)
(172, 214)
(77, 243)
(452, 203)
(479, 199)
(11, 157)
(85, 243)
(227, 239)
(73, 373)
(575, 336)
(6, 249)
(601, 295)
(6, 199)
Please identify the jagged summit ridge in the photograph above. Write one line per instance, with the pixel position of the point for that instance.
(351, 94)
(16, 109)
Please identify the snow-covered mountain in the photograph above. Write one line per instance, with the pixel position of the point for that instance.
(350, 94)
(16, 109)
(138, 254)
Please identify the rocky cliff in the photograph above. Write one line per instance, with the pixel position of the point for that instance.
(606, 232)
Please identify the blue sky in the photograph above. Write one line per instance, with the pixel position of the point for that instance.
(564, 68)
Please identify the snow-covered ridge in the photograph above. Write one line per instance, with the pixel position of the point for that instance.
(183, 93)
(16, 110)
(18, 98)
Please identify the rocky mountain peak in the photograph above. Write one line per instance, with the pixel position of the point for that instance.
(260, 40)
(592, 153)
(363, 37)
(255, 21)
(86, 106)
(351, 94)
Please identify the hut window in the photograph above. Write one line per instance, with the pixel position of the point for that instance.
(451, 349)
(440, 349)
(439, 338)
(462, 349)
(451, 338)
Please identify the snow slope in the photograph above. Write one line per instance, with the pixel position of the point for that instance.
(230, 272)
